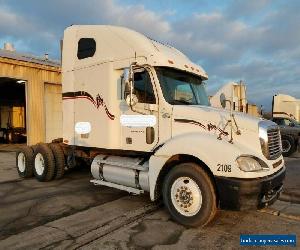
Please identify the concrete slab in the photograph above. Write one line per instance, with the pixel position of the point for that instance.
(158, 231)
(283, 209)
(280, 205)
(88, 220)
(72, 213)
(8, 171)
(10, 147)
(291, 184)
(296, 154)
(38, 238)
(28, 203)
(275, 208)
(292, 211)
(83, 227)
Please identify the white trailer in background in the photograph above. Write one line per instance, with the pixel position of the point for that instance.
(286, 106)
(236, 93)
(137, 112)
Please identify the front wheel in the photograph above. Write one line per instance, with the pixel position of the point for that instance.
(288, 145)
(189, 195)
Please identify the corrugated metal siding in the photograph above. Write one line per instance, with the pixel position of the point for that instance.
(27, 58)
(53, 112)
(36, 76)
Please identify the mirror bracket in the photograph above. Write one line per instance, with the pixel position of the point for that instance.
(130, 98)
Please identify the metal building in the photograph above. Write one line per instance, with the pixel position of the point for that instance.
(30, 97)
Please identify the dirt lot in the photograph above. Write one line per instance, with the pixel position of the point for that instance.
(72, 213)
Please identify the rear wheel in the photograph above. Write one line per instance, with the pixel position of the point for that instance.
(288, 145)
(7, 137)
(44, 163)
(189, 195)
(24, 162)
(59, 157)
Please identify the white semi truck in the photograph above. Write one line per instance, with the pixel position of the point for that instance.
(285, 106)
(137, 112)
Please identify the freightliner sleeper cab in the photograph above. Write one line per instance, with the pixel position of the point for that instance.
(136, 111)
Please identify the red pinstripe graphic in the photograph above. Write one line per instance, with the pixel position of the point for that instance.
(109, 115)
(208, 127)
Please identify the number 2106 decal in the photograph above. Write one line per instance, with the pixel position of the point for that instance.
(224, 167)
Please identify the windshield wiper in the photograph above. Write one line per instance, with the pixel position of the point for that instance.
(181, 102)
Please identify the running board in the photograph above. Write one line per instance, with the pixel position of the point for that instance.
(117, 186)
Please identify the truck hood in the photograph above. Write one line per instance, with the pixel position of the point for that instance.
(206, 116)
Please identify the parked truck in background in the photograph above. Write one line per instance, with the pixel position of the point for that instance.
(137, 112)
(286, 113)
(286, 106)
(290, 134)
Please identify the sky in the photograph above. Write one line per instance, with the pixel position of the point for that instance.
(255, 41)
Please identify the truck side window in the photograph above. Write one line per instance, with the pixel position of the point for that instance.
(143, 87)
(86, 48)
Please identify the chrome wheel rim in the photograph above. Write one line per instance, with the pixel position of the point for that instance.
(286, 146)
(39, 164)
(21, 162)
(186, 196)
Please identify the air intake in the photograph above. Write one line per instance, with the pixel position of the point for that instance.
(274, 143)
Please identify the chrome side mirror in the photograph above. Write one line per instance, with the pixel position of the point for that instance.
(131, 99)
(127, 82)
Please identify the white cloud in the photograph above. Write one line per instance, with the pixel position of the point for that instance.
(250, 40)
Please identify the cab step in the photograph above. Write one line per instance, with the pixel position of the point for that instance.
(117, 186)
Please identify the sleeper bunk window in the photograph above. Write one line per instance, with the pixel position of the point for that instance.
(86, 48)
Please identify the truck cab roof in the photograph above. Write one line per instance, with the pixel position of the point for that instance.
(122, 46)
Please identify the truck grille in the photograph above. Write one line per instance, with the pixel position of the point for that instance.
(274, 143)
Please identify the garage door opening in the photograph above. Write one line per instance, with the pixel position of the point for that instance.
(12, 110)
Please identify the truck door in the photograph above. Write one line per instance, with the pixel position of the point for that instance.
(141, 138)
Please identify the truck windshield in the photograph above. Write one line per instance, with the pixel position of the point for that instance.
(181, 88)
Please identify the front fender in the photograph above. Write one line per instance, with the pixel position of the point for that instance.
(216, 154)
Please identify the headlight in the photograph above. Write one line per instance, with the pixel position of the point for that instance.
(250, 164)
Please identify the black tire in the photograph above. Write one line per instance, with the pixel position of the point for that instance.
(34, 147)
(24, 162)
(6, 137)
(59, 160)
(288, 145)
(43, 156)
(208, 207)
